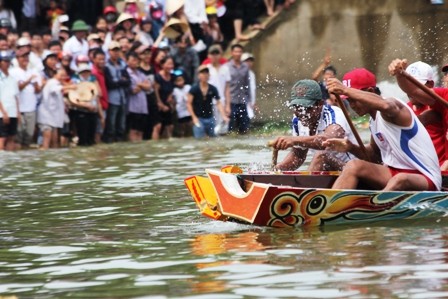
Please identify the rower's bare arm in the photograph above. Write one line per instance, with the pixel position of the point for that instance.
(396, 68)
(314, 142)
(396, 113)
(293, 160)
(344, 145)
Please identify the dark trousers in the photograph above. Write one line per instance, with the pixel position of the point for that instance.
(85, 123)
(115, 123)
(239, 119)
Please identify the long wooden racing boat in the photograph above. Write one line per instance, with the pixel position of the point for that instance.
(303, 198)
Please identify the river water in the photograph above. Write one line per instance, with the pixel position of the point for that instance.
(115, 221)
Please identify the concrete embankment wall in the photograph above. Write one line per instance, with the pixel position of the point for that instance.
(359, 33)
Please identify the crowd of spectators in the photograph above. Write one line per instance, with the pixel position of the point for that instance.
(143, 70)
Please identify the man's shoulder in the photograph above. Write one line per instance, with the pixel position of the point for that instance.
(333, 115)
(16, 72)
(213, 88)
(442, 91)
(194, 88)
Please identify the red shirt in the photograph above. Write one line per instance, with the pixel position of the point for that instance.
(222, 60)
(442, 127)
(99, 75)
(435, 130)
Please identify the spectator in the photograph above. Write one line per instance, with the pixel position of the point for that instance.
(200, 105)
(86, 112)
(326, 71)
(197, 17)
(220, 78)
(164, 87)
(239, 92)
(50, 62)
(53, 12)
(185, 58)
(29, 83)
(145, 54)
(5, 26)
(65, 59)
(37, 46)
(138, 105)
(132, 7)
(145, 35)
(12, 38)
(55, 46)
(77, 44)
(126, 22)
(9, 104)
(4, 43)
(125, 46)
(34, 61)
(248, 59)
(47, 38)
(94, 40)
(64, 34)
(180, 94)
(101, 25)
(157, 15)
(50, 113)
(29, 15)
(111, 15)
(117, 82)
(6, 13)
(214, 30)
(98, 68)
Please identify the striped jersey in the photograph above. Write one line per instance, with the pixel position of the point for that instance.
(330, 115)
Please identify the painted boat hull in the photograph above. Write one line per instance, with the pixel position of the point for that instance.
(295, 200)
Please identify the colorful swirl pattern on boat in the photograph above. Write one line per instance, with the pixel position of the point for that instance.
(316, 207)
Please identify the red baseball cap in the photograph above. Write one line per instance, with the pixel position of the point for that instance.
(359, 79)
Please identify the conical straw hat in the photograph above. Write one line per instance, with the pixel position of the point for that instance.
(121, 4)
(174, 28)
(123, 17)
(171, 6)
(85, 92)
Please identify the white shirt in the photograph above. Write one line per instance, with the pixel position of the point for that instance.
(219, 78)
(330, 115)
(74, 46)
(51, 110)
(29, 8)
(9, 90)
(35, 62)
(406, 147)
(8, 14)
(180, 95)
(195, 11)
(27, 96)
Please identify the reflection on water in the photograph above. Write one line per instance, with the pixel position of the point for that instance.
(116, 221)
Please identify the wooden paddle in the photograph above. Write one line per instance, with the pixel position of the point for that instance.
(352, 126)
(425, 88)
(274, 155)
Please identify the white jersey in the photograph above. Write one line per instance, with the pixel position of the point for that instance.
(330, 115)
(406, 147)
(180, 95)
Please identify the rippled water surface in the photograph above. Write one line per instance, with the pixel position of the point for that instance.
(117, 222)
